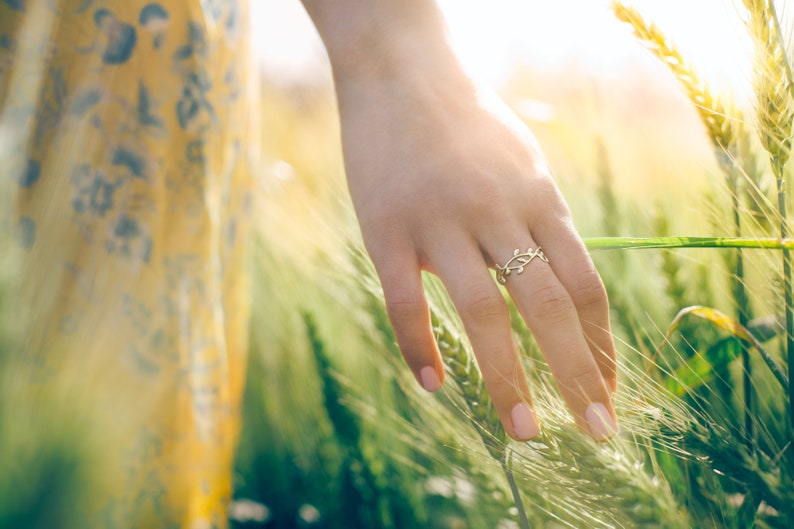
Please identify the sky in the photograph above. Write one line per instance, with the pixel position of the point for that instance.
(492, 37)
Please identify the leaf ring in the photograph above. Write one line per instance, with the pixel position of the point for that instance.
(518, 262)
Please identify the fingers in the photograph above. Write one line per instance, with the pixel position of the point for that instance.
(563, 303)
(409, 314)
(553, 317)
(573, 267)
(483, 311)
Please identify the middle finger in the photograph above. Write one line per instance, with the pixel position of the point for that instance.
(460, 265)
(552, 317)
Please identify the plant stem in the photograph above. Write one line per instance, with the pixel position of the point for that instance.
(781, 41)
(742, 310)
(787, 295)
(522, 514)
(778, 169)
(638, 243)
(740, 296)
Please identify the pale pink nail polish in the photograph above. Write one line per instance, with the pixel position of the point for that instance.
(429, 378)
(525, 425)
(602, 425)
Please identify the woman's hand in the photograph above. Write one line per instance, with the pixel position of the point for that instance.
(445, 178)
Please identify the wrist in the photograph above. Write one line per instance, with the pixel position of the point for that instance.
(380, 40)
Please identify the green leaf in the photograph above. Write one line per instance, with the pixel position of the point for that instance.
(698, 365)
(700, 369)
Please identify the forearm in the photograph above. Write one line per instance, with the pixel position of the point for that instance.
(380, 39)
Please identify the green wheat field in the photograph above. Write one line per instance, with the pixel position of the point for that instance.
(681, 194)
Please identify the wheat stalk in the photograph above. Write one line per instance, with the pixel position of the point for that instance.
(714, 113)
(724, 123)
(774, 114)
(604, 476)
(592, 483)
(458, 359)
(727, 137)
(461, 367)
(567, 475)
(751, 468)
(459, 363)
(774, 110)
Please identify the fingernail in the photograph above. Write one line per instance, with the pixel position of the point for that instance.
(525, 425)
(429, 378)
(602, 425)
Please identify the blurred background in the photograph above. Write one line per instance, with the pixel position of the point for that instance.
(335, 431)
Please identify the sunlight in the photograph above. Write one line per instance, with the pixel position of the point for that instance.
(551, 35)
(493, 38)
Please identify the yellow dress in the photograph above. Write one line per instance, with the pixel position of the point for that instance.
(124, 184)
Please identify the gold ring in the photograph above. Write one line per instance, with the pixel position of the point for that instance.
(518, 262)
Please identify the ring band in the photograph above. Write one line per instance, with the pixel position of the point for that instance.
(518, 262)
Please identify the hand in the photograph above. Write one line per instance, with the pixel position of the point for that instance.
(445, 178)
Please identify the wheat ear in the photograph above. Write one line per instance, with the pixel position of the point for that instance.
(713, 112)
(774, 114)
(728, 137)
(461, 367)
(598, 485)
(774, 109)
(752, 469)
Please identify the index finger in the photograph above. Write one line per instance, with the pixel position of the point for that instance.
(485, 317)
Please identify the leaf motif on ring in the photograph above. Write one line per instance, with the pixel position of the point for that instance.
(518, 262)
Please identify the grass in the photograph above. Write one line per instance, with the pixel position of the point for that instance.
(336, 432)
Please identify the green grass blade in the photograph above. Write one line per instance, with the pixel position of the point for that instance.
(637, 243)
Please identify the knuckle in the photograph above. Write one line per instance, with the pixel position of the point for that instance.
(404, 308)
(502, 389)
(552, 304)
(589, 291)
(414, 351)
(547, 193)
(485, 199)
(483, 306)
(583, 380)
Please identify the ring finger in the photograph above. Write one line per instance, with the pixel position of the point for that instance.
(551, 315)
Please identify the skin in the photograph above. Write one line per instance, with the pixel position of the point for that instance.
(445, 178)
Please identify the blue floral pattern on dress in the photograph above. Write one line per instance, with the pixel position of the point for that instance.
(31, 174)
(18, 5)
(120, 37)
(93, 193)
(154, 19)
(130, 192)
(25, 232)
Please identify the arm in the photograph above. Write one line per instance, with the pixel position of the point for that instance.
(445, 178)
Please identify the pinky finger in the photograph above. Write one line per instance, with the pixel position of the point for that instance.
(409, 314)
